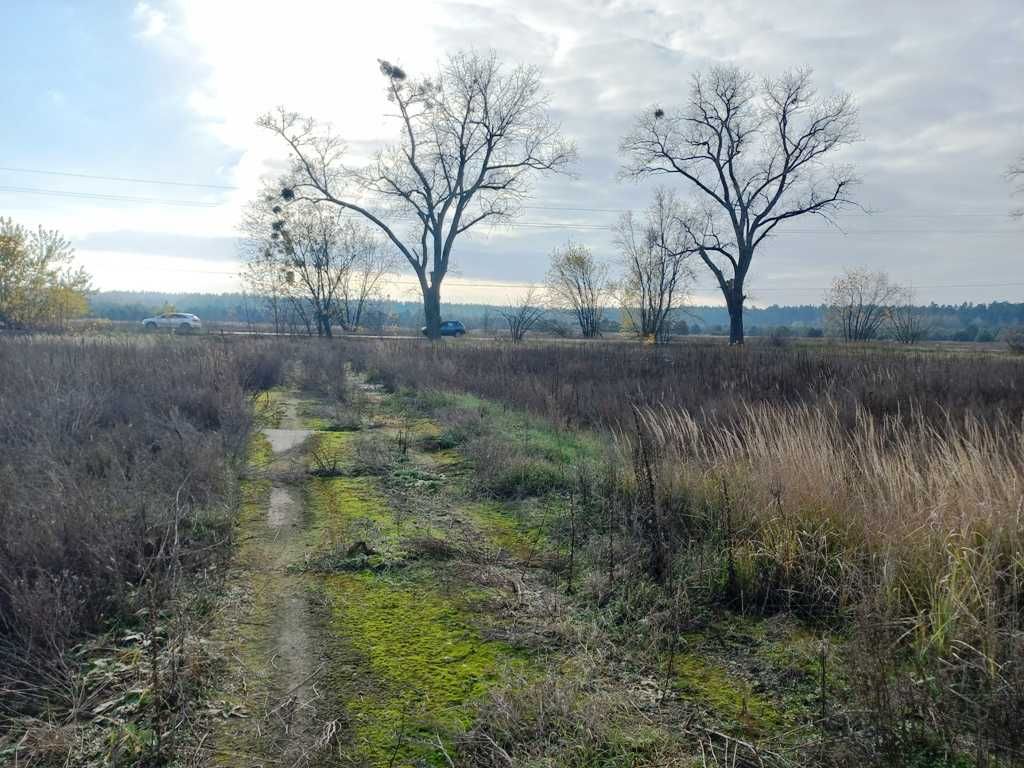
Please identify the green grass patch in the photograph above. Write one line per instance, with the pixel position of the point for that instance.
(330, 453)
(729, 698)
(514, 529)
(536, 435)
(345, 510)
(258, 453)
(268, 407)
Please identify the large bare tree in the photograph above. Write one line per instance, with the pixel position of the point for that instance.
(577, 283)
(470, 140)
(656, 271)
(753, 152)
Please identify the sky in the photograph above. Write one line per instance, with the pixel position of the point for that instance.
(169, 91)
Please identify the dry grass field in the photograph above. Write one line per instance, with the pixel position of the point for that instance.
(232, 551)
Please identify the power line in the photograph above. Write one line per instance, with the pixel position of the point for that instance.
(109, 198)
(552, 225)
(227, 187)
(161, 182)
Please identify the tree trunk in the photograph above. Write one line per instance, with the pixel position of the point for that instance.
(734, 302)
(432, 310)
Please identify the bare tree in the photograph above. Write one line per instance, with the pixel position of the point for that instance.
(657, 274)
(859, 303)
(909, 322)
(523, 314)
(1015, 173)
(578, 284)
(371, 261)
(471, 139)
(307, 252)
(753, 153)
(267, 279)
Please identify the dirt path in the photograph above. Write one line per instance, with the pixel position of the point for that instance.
(269, 630)
(340, 650)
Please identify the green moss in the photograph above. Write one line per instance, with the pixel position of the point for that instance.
(427, 663)
(344, 510)
(269, 407)
(793, 655)
(728, 697)
(258, 454)
(446, 458)
(505, 527)
(335, 444)
(424, 430)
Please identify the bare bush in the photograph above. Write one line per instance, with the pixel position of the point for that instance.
(578, 284)
(523, 314)
(560, 719)
(1014, 338)
(112, 453)
(908, 322)
(859, 304)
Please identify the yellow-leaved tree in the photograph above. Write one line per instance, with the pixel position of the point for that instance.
(39, 284)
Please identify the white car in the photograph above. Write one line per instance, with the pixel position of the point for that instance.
(175, 321)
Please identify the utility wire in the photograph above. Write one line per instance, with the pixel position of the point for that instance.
(582, 227)
(102, 196)
(227, 187)
(161, 182)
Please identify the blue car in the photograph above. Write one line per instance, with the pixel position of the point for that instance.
(450, 328)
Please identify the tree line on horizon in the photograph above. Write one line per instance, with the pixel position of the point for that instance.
(966, 321)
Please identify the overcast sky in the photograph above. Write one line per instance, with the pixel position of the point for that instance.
(170, 91)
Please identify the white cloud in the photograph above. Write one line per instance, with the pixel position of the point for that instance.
(152, 22)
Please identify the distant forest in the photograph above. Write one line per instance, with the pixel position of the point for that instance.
(959, 322)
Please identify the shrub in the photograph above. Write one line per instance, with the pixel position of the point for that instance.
(1014, 338)
(576, 384)
(115, 469)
